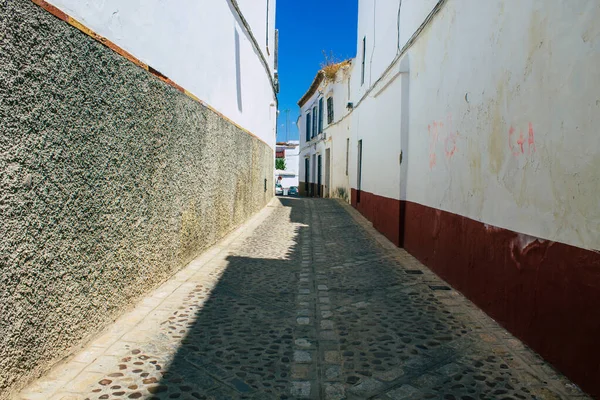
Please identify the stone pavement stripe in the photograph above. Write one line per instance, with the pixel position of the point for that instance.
(329, 346)
(303, 367)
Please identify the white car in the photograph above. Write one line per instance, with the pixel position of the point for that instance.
(278, 190)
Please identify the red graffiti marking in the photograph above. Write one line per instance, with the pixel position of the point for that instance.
(450, 141)
(518, 147)
(437, 131)
(432, 160)
(531, 140)
(521, 142)
(450, 145)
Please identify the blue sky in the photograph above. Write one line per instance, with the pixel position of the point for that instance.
(306, 29)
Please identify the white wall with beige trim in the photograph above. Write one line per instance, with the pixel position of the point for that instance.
(200, 45)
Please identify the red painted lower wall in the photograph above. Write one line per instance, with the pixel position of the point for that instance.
(383, 212)
(545, 293)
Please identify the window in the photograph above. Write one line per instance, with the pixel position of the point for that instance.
(347, 154)
(315, 122)
(321, 115)
(319, 169)
(306, 174)
(364, 50)
(308, 122)
(329, 110)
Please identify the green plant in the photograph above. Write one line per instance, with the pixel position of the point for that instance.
(280, 164)
(341, 193)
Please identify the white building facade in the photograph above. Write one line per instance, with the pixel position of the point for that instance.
(324, 134)
(290, 152)
(473, 144)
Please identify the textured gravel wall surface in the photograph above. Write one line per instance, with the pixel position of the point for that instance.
(110, 181)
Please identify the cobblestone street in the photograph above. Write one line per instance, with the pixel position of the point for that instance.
(304, 301)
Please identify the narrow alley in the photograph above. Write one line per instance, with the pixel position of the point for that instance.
(306, 300)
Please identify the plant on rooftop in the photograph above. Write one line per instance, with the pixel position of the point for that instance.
(330, 66)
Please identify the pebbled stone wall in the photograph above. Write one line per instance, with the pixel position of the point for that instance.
(110, 182)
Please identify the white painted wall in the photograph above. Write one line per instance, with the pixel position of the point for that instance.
(334, 135)
(377, 116)
(260, 14)
(193, 42)
(377, 123)
(412, 15)
(481, 74)
(308, 148)
(339, 131)
(287, 180)
(292, 159)
(520, 64)
(386, 27)
(337, 146)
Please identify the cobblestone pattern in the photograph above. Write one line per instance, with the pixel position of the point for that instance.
(404, 334)
(313, 304)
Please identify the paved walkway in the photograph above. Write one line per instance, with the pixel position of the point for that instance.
(304, 301)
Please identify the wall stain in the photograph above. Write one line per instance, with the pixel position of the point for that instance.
(497, 137)
(575, 200)
(189, 234)
(526, 250)
(537, 33)
(476, 175)
(592, 28)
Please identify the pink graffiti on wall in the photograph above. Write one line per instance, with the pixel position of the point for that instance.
(442, 135)
(516, 144)
(433, 139)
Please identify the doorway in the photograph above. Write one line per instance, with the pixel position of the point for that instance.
(306, 175)
(314, 176)
(319, 174)
(327, 189)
